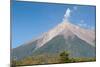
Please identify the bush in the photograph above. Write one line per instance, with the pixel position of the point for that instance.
(64, 57)
(13, 63)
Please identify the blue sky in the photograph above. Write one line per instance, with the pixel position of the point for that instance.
(31, 19)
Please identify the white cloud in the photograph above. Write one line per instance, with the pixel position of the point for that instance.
(82, 24)
(92, 28)
(82, 21)
(85, 25)
(67, 14)
(75, 8)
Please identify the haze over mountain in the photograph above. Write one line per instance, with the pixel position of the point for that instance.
(78, 41)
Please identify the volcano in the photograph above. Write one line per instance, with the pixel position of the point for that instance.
(65, 36)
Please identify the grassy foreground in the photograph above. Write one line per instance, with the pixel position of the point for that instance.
(62, 57)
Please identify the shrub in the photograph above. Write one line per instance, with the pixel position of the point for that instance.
(64, 57)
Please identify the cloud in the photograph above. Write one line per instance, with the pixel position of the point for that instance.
(92, 28)
(82, 21)
(85, 25)
(75, 8)
(82, 24)
(67, 14)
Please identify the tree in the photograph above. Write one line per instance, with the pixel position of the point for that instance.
(64, 57)
(13, 63)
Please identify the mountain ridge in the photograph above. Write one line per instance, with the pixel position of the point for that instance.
(63, 24)
(69, 32)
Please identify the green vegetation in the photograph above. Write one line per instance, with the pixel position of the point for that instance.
(13, 63)
(62, 57)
